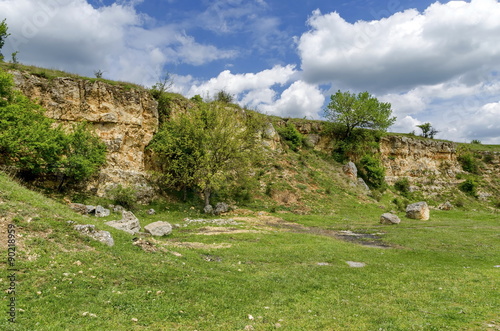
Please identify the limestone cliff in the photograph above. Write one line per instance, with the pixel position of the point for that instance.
(419, 159)
(124, 118)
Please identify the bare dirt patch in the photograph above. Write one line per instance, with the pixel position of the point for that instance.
(213, 230)
(197, 245)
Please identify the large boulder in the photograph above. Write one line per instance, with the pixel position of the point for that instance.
(159, 228)
(418, 211)
(129, 223)
(388, 218)
(89, 230)
(350, 170)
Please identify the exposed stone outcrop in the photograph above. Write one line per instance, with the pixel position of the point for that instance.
(125, 119)
(418, 158)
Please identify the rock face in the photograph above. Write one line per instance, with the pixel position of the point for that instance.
(418, 211)
(159, 228)
(429, 162)
(125, 119)
(388, 218)
(129, 223)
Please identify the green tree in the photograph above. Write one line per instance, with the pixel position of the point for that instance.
(3, 36)
(427, 130)
(351, 111)
(205, 148)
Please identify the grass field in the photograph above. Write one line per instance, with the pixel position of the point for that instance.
(270, 271)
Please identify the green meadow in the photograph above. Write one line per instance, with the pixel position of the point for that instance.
(263, 271)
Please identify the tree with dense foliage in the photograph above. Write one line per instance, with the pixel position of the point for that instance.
(351, 111)
(205, 148)
(31, 143)
(427, 130)
(3, 36)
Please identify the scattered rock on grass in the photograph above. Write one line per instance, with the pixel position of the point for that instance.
(129, 223)
(388, 218)
(159, 228)
(151, 211)
(100, 211)
(418, 211)
(353, 264)
(445, 206)
(89, 230)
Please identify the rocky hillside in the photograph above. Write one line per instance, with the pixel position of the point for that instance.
(127, 118)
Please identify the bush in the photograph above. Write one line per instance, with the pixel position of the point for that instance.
(403, 186)
(293, 138)
(124, 196)
(372, 171)
(224, 97)
(469, 187)
(469, 163)
(400, 203)
(488, 158)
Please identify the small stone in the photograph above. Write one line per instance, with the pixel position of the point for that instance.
(151, 211)
(323, 263)
(249, 327)
(445, 206)
(250, 317)
(134, 319)
(353, 264)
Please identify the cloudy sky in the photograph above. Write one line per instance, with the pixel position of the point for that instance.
(436, 62)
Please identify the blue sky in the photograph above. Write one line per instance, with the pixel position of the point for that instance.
(435, 62)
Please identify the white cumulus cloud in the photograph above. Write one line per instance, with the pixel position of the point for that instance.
(74, 36)
(405, 50)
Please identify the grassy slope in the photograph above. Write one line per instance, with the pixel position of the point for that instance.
(442, 276)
